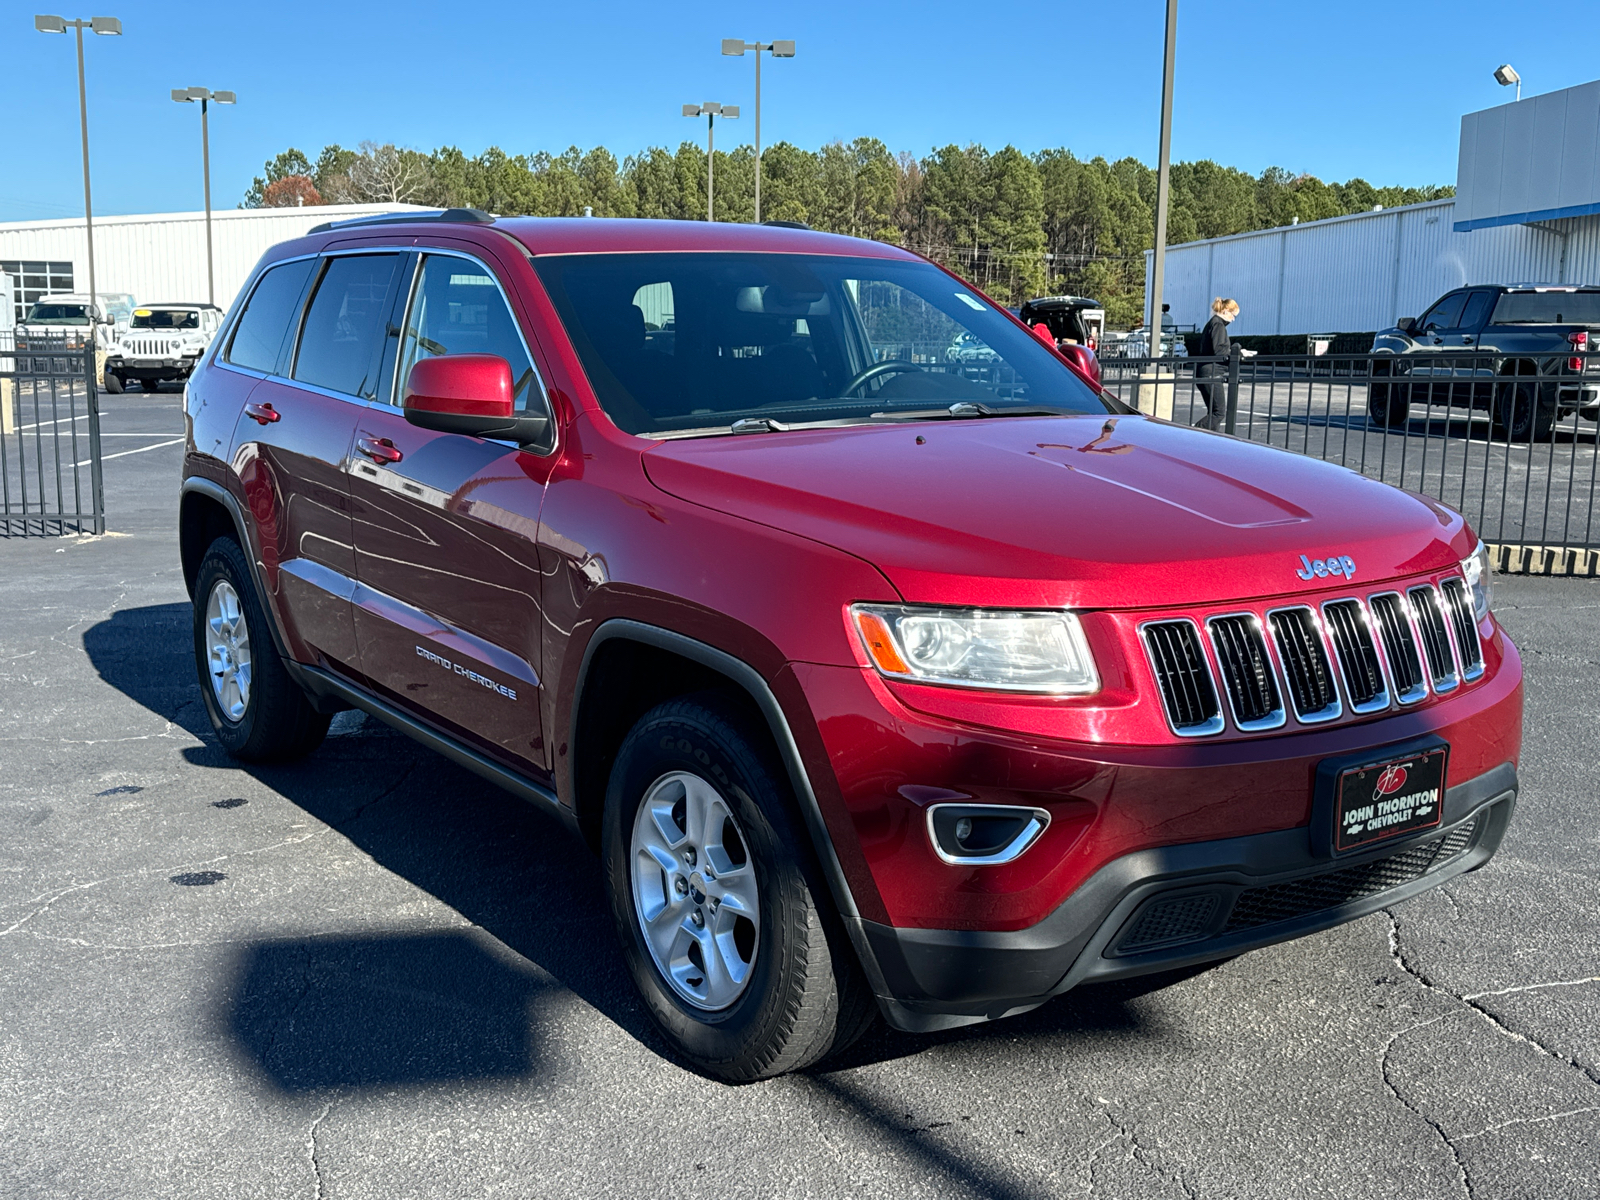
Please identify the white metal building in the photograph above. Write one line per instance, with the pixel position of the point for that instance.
(1527, 209)
(158, 257)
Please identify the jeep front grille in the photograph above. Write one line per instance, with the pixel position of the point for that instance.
(1464, 623)
(1390, 615)
(1435, 640)
(1184, 677)
(1357, 654)
(1305, 664)
(1247, 674)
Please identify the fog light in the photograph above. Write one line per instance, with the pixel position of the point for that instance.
(981, 835)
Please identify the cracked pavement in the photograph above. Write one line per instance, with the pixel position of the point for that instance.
(384, 978)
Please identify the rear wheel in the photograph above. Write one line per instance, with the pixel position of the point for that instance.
(1522, 413)
(1389, 404)
(724, 923)
(258, 712)
(150, 385)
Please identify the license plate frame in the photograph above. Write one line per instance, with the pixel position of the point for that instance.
(1388, 796)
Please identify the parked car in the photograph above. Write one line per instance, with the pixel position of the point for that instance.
(162, 343)
(70, 319)
(1524, 353)
(968, 349)
(878, 689)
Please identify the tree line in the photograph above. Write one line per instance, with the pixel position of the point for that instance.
(1017, 225)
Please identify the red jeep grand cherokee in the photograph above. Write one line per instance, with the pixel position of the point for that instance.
(883, 679)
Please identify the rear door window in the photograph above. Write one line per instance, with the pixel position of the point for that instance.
(1477, 309)
(264, 325)
(457, 308)
(342, 342)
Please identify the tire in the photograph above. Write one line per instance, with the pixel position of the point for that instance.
(1521, 414)
(114, 384)
(257, 711)
(1389, 404)
(704, 764)
(151, 386)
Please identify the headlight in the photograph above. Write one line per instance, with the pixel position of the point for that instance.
(1042, 652)
(1479, 576)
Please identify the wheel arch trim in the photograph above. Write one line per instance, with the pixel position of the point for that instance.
(211, 490)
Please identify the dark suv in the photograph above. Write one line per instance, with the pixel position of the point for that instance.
(1526, 353)
(880, 685)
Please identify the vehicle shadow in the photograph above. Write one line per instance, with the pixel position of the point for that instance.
(384, 1008)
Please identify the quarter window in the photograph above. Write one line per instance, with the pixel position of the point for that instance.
(457, 308)
(343, 337)
(265, 322)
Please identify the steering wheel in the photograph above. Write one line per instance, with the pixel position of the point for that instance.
(892, 366)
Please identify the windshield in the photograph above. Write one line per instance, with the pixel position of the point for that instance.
(686, 343)
(1548, 308)
(163, 318)
(59, 314)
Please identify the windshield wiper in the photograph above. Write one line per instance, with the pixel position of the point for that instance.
(965, 409)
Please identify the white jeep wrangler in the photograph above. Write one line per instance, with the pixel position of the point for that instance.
(162, 342)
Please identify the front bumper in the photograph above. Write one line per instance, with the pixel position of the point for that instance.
(1175, 906)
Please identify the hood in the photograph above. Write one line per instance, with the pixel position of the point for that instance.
(1091, 512)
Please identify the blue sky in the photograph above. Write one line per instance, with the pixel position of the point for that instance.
(1337, 90)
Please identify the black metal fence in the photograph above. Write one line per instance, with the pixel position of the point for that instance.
(1510, 443)
(50, 481)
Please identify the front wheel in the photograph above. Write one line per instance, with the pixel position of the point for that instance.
(1389, 404)
(724, 923)
(257, 711)
(114, 384)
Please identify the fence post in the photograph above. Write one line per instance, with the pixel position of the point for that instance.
(1233, 389)
(91, 380)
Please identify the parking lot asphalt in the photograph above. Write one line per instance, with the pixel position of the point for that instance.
(373, 975)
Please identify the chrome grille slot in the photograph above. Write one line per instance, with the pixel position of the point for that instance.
(1184, 676)
(1393, 621)
(1435, 641)
(1464, 624)
(1305, 664)
(1247, 674)
(1357, 654)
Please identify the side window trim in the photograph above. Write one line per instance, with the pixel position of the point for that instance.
(394, 334)
(230, 324)
(427, 252)
(288, 369)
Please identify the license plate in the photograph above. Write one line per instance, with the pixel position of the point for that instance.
(1384, 799)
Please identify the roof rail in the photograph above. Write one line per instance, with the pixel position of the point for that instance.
(788, 224)
(455, 216)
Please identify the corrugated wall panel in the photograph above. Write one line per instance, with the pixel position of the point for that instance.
(1363, 272)
(163, 256)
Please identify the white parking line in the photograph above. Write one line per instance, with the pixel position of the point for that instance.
(125, 453)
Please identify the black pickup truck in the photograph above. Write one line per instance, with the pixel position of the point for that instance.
(1524, 352)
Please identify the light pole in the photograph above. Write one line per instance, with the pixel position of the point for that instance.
(736, 48)
(711, 111)
(1158, 266)
(1506, 75)
(106, 26)
(188, 96)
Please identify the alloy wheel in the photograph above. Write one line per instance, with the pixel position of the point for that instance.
(228, 650)
(695, 894)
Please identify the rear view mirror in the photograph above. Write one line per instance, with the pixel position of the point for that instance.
(471, 394)
(1406, 324)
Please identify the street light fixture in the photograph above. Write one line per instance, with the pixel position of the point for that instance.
(1506, 75)
(106, 27)
(711, 111)
(189, 96)
(737, 48)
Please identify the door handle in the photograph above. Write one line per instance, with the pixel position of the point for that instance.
(262, 414)
(380, 450)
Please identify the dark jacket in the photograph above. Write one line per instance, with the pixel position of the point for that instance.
(1214, 339)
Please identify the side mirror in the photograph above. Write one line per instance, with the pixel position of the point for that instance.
(470, 394)
(1406, 325)
(1082, 360)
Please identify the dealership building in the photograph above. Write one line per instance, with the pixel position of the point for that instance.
(155, 258)
(1526, 210)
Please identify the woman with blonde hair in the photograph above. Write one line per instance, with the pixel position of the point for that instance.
(1214, 343)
